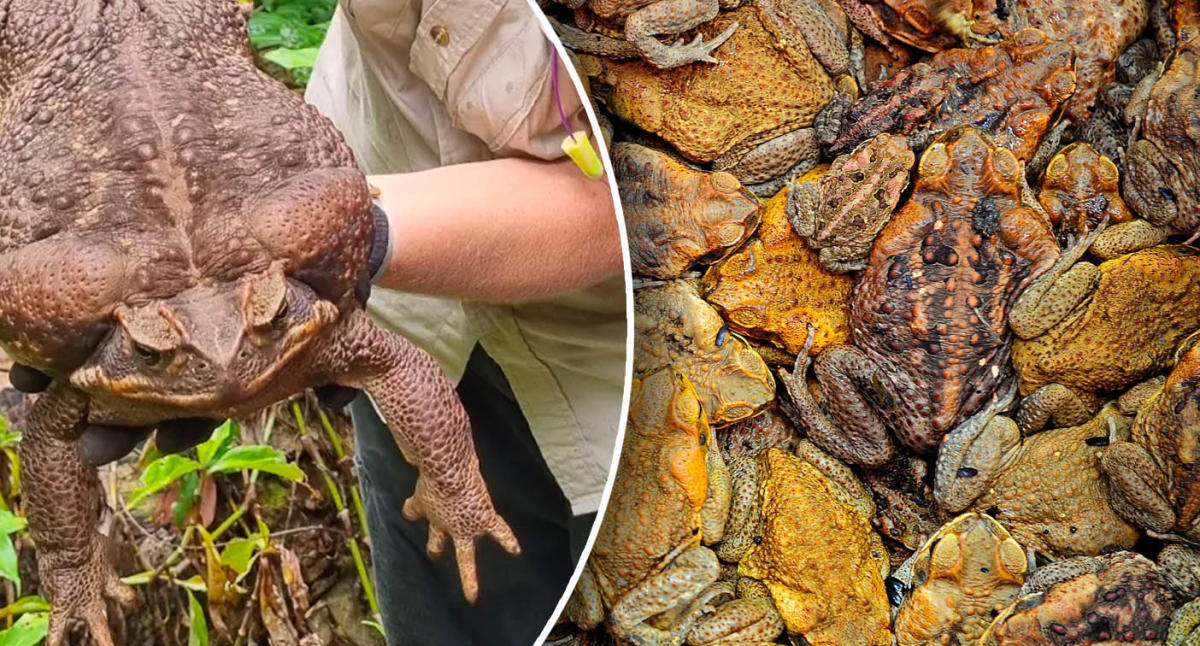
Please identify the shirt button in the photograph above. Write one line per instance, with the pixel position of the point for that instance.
(440, 35)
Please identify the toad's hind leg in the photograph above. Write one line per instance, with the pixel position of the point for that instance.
(431, 427)
(63, 504)
(858, 433)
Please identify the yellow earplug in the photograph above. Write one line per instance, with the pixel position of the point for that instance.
(579, 148)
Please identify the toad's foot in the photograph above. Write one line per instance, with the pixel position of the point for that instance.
(464, 512)
(80, 591)
(432, 429)
(674, 17)
(739, 621)
(682, 53)
(861, 437)
(1054, 294)
(63, 502)
(1055, 405)
(684, 581)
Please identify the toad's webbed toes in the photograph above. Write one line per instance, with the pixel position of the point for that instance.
(81, 593)
(463, 515)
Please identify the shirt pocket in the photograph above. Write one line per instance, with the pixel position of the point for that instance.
(501, 90)
(446, 32)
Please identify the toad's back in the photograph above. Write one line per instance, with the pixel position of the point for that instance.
(141, 153)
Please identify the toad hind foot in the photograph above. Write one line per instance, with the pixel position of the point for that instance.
(432, 430)
(79, 592)
(63, 503)
(681, 53)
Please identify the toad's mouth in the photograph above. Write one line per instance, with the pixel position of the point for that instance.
(222, 396)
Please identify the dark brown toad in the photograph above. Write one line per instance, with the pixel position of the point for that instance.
(181, 237)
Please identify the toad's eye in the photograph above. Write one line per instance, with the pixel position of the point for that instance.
(149, 356)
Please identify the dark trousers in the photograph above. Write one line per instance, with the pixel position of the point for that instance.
(421, 600)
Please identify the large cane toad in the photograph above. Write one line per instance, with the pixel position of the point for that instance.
(961, 578)
(648, 559)
(676, 216)
(841, 213)
(929, 320)
(774, 286)
(181, 237)
(751, 114)
(1047, 489)
(1011, 90)
(1122, 598)
(1084, 329)
(643, 21)
(673, 327)
(1098, 31)
(818, 555)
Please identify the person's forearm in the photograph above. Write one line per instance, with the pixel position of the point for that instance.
(499, 230)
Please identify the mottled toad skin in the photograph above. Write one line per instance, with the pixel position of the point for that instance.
(1079, 189)
(905, 509)
(1124, 598)
(1047, 489)
(1011, 90)
(1103, 329)
(929, 319)
(914, 23)
(643, 21)
(181, 237)
(1156, 475)
(1163, 168)
(761, 94)
(774, 287)
(647, 558)
(819, 557)
(841, 213)
(751, 436)
(673, 327)
(1098, 31)
(676, 216)
(966, 573)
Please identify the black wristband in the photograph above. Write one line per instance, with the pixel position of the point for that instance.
(380, 243)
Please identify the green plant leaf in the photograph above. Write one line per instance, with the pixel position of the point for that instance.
(264, 28)
(217, 444)
(198, 635)
(32, 603)
(8, 562)
(302, 36)
(189, 489)
(10, 522)
(161, 474)
(376, 625)
(30, 629)
(194, 583)
(239, 554)
(141, 578)
(256, 457)
(290, 59)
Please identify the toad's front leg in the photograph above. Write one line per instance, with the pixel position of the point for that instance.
(431, 427)
(63, 503)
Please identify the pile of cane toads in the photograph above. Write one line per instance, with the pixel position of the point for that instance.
(916, 313)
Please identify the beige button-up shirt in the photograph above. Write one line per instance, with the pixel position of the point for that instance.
(418, 84)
